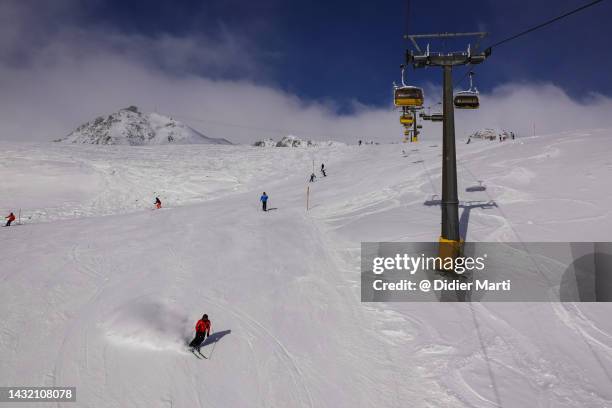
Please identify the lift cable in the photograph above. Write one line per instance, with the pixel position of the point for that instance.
(470, 67)
(569, 13)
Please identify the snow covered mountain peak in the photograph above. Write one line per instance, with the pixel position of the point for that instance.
(129, 126)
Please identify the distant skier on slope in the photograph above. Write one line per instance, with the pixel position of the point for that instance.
(203, 327)
(312, 177)
(264, 201)
(323, 170)
(10, 218)
(157, 203)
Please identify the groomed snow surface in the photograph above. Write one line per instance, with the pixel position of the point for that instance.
(101, 292)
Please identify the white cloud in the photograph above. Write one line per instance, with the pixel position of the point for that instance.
(519, 106)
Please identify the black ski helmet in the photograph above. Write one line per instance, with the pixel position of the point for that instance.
(205, 317)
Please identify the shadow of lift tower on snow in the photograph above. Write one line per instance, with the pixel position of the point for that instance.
(467, 207)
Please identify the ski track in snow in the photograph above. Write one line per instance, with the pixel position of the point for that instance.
(99, 286)
(301, 388)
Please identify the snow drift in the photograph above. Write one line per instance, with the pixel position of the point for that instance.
(148, 324)
(491, 134)
(294, 141)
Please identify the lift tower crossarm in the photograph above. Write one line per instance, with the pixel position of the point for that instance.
(413, 37)
(480, 34)
(442, 60)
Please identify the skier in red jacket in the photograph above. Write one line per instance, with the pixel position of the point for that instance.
(202, 327)
(10, 218)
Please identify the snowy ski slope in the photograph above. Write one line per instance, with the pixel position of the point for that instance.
(100, 292)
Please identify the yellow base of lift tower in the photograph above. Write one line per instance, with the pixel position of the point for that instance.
(449, 249)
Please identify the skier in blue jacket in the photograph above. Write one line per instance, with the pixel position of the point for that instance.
(264, 201)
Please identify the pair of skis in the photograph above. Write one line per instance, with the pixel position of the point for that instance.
(198, 354)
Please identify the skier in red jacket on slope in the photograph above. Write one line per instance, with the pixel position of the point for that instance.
(203, 327)
(10, 218)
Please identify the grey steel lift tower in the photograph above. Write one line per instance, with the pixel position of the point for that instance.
(450, 240)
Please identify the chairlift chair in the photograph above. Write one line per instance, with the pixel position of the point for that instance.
(410, 96)
(467, 99)
(406, 119)
(407, 96)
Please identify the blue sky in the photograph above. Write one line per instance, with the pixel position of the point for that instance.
(345, 50)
